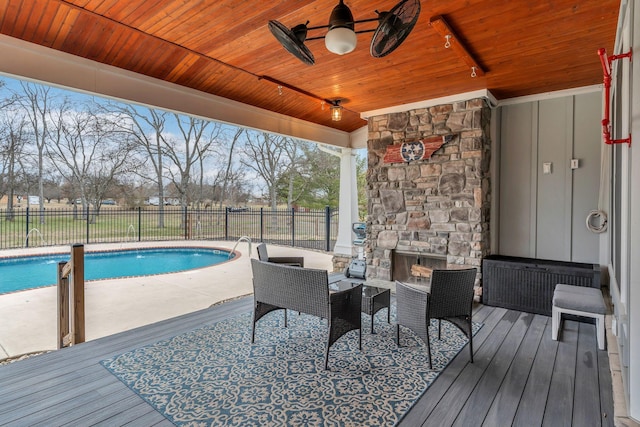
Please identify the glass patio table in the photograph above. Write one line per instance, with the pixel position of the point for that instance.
(374, 299)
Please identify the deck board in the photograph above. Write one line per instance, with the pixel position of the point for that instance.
(506, 401)
(559, 408)
(421, 410)
(101, 414)
(519, 376)
(454, 399)
(132, 413)
(606, 383)
(482, 396)
(586, 377)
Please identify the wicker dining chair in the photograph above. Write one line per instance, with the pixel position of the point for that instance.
(306, 290)
(449, 298)
(263, 255)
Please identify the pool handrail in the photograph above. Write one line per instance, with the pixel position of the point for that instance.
(241, 239)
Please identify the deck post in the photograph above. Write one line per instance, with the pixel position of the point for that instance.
(77, 275)
(63, 305)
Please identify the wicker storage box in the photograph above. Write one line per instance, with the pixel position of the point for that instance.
(527, 284)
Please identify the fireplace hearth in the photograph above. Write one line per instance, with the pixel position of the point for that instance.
(403, 263)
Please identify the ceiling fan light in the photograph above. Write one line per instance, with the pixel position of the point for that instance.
(341, 40)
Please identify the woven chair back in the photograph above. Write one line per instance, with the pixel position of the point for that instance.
(262, 252)
(451, 293)
(300, 289)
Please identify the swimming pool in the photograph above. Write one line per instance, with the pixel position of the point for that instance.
(29, 272)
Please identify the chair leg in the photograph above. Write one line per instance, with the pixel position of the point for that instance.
(253, 325)
(470, 341)
(285, 317)
(326, 357)
(600, 331)
(253, 332)
(555, 322)
(429, 349)
(372, 316)
(398, 335)
(439, 327)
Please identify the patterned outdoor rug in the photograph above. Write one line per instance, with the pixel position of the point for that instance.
(213, 376)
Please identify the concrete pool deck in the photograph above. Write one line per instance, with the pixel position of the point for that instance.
(28, 321)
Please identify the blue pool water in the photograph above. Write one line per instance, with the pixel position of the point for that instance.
(36, 271)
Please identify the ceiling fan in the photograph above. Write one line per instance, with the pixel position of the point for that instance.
(393, 28)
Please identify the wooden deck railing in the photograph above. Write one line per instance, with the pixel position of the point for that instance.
(71, 319)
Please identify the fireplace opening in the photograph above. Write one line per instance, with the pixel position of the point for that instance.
(409, 266)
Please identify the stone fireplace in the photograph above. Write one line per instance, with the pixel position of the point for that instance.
(436, 208)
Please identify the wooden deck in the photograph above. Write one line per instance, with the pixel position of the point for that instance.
(519, 377)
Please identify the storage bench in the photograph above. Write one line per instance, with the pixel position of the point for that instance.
(527, 284)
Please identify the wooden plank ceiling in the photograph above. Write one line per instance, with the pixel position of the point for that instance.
(224, 47)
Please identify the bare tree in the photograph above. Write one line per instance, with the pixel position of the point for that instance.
(37, 101)
(147, 128)
(113, 161)
(88, 151)
(228, 173)
(298, 170)
(196, 138)
(267, 155)
(220, 169)
(12, 140)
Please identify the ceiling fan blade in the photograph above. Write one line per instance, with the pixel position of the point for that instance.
(394, 27)
(293, 40)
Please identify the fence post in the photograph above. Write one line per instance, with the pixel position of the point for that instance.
(139, 224)
(186, 222)
(261, 224)
(327, 228)
(226, 223)
(293, 228)
(27, 230)
(77, 258)
(87, 218)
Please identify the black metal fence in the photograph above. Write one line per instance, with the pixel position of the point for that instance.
(28, 227)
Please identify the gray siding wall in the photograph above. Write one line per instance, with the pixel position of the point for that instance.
(542, 215)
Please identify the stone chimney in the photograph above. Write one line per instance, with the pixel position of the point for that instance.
(437, 207)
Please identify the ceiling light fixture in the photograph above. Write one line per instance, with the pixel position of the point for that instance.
(341, 37)
(393, 28)
(335, 105)
(336, 111)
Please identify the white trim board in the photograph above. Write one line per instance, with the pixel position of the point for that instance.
(482, 93)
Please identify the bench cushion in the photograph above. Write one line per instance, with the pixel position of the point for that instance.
(579, 298)
(585, 290)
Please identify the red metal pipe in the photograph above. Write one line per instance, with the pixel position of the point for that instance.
(606, 71)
